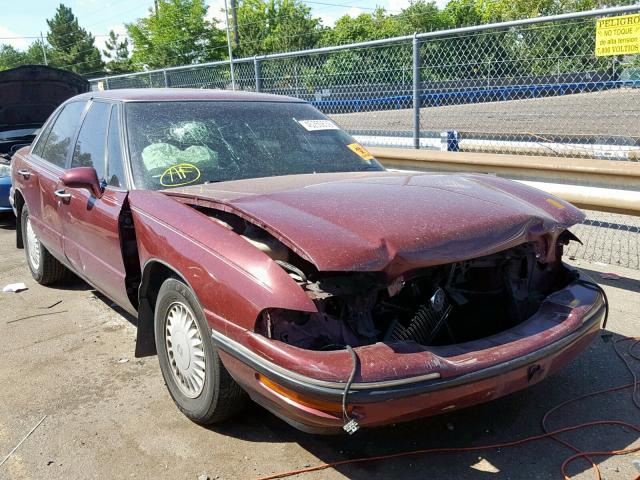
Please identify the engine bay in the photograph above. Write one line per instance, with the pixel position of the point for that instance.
(441, 305)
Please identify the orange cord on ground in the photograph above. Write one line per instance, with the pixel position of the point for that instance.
(548, 434)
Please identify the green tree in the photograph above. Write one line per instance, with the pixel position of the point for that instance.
(462, 13)
(178, 33)
(10, 57)
(268, 26)
(72, 47)
(117, 53)
(366, 26)
(422, 16)
(35, 54)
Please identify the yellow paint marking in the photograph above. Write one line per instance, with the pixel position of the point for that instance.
(178, 175)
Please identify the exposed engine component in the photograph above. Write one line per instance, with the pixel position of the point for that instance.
(439, 305)
(426, 323)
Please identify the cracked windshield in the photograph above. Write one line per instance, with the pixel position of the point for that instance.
(181, 143)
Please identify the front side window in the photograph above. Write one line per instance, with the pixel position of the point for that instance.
(180, 143)
(90, 147)
(58, 144)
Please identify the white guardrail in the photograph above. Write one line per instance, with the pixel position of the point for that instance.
(603, 185)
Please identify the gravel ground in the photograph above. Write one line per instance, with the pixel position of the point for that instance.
(108, 414)
(609, 113)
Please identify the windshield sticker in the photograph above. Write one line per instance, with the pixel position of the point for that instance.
(179, 175)
(315, 125)
(360, 151)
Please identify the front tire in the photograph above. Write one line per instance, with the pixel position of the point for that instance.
(197, 380)
(44, 267)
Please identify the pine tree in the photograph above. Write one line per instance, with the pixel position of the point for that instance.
(117, 53)
(10, 57)
(72, 47)
(176, 33)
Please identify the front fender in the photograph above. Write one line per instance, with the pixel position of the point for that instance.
(233, 280)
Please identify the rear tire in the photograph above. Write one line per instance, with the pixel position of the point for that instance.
(44, 267)
(197, 380)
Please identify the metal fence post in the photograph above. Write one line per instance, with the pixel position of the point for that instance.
(257, 69)
(416, 91)
(166, 80)
(106, 83)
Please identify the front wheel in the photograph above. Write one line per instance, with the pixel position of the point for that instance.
(44, 267)
(197, 380)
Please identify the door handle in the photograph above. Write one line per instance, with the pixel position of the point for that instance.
(62, 195)
(25, 173)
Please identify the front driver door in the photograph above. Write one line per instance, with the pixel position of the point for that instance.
(90, 225)
(39, 178)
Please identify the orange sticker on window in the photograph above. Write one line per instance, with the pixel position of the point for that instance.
(360, 151)
(179, 175)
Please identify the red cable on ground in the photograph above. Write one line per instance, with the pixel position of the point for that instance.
(552, 435)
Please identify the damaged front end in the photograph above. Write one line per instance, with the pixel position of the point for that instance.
(415, 338)
(434, 306)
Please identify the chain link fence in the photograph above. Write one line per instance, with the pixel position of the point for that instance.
(531, 87)
(607, 238)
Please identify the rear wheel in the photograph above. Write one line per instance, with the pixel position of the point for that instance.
(44, 267)
(199, 384)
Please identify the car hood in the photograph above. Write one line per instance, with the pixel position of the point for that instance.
(389, 221)
(30, 93)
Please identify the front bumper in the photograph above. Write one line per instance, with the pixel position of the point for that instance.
(391, 401)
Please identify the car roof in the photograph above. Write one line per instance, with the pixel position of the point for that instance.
(183, 94)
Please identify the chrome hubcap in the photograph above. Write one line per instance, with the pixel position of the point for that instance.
(185, 349)
(34, 246)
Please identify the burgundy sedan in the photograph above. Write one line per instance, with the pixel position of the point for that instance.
(266, 254)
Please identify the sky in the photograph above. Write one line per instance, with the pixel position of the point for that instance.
(27, 18)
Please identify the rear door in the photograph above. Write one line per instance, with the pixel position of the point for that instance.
(90, 224)
(39, 176)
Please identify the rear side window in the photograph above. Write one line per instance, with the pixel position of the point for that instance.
(39, 146)
(91, 144)
(58, 144)
(115, 171)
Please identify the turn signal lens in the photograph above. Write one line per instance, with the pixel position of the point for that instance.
(322, 405)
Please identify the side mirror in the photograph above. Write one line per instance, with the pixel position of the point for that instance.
(82, 177)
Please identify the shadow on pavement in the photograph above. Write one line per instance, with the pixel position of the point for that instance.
(510, 418)
(7, 221)
(624, 283)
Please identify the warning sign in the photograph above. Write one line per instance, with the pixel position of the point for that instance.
(618, 35)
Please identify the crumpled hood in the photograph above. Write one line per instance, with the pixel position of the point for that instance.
(389, 221)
